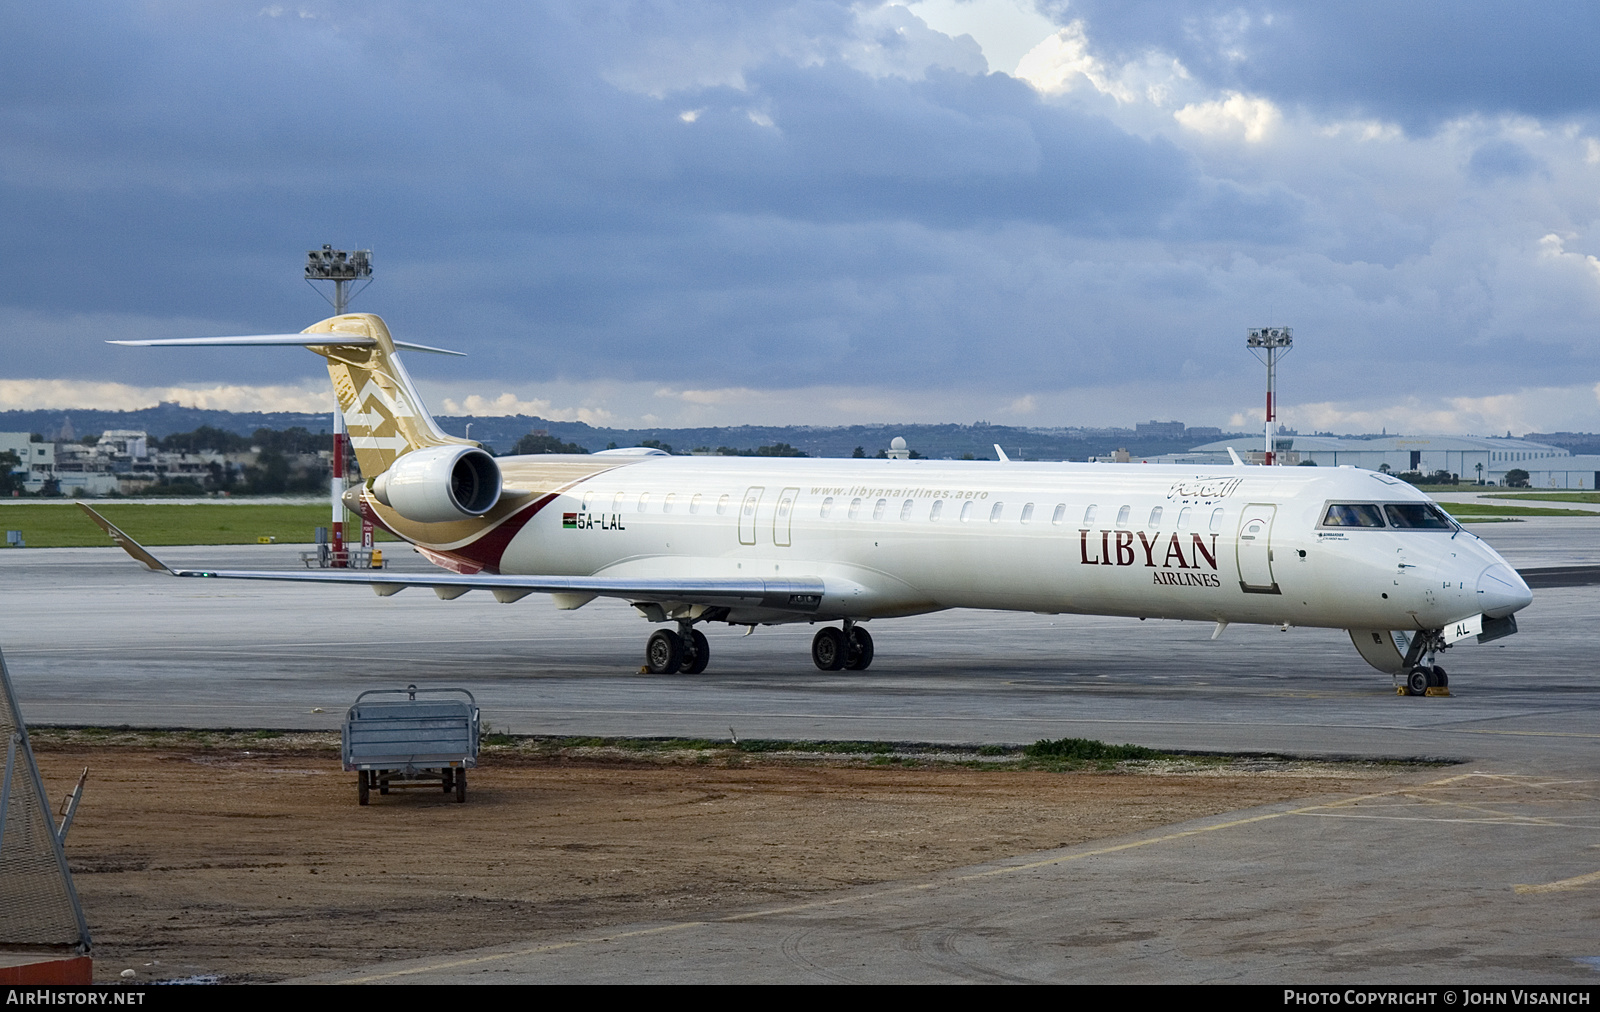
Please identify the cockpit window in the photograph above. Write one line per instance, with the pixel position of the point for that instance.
(1420, 515)
(1353, 515)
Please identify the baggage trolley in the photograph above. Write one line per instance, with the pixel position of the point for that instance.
(411, 743)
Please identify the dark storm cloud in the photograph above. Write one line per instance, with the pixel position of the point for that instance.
(192, 152)
(794, 195)
(1416, 62)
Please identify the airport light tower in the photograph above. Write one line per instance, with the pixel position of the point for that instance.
(1274, 341)
(343, 268)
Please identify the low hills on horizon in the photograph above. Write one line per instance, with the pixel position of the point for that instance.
(502, 432)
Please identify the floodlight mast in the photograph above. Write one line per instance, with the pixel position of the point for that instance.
(1270, 340)
(342, 267)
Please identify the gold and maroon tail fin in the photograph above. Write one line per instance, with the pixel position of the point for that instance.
(382, 410)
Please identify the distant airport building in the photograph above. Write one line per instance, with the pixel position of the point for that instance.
(36, 460)
(1469, 458)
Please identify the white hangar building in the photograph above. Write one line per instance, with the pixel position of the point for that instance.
(1547, 466)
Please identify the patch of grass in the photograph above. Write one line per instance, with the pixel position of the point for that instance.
(1483, 509)
(63, 525)
(1087, 749)
(263, 735)
(1593, 497)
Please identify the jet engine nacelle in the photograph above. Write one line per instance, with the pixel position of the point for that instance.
(440, 483)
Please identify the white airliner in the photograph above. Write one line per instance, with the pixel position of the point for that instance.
(759, 541)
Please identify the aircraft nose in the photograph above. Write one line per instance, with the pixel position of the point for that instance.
(1501, 591)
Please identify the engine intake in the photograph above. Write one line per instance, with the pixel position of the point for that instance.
(439, 484)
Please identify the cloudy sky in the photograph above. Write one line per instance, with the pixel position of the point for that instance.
(1038, 212)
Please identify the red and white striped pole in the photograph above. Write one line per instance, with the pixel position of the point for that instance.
(337, 487)
(1270, 340)
(336, 482)
(1272, 377)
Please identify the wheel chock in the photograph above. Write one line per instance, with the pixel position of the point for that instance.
(1437, 690)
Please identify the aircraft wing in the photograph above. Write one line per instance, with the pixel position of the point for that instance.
(802, 594)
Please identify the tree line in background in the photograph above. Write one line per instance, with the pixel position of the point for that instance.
(540, 442)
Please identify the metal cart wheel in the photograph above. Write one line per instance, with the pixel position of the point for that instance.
(383, 784)
(362, 788)
(461, 786)
(446, 776)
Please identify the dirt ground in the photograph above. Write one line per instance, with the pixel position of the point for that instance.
(255, 863)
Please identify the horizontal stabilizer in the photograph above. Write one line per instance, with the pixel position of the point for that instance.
(279, 340)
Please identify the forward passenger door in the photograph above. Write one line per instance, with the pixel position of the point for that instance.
(1253, 549)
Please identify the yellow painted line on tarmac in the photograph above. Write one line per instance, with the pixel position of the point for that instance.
(1530, 734)
(1576, 882)
(852, 898)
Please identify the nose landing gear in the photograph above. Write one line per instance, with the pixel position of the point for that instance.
(1424, 677)
(850, 648)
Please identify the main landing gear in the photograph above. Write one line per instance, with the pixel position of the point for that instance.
(685, 651)
(850, 647)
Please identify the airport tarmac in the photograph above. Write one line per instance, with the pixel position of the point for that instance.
(1407, 887)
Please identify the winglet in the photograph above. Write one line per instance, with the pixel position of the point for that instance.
(1000, 454)
(126, 543)
(1236, 461)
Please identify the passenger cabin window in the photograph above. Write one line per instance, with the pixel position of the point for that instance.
(644, 501)
(588, 499)
(1419, 515)
(1183, 517)
(879, 509)
(1088, 515)
(666, 504)
(1216, 519)
(936, 510)
(1122, 516)
(1027, 512)
(722, 505)
(827, 507)
(1342, 514)
(966, 511)
(855, 508)
(694, 503)
(1155, 517)
(616, 503)
(1060, 513)
(995, 511)
(905, 509)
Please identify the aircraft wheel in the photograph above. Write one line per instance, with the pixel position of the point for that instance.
(1418, 680)
(663, 652)
(828, 649)
(860, 649)
(1440, 679)
(696, 653)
